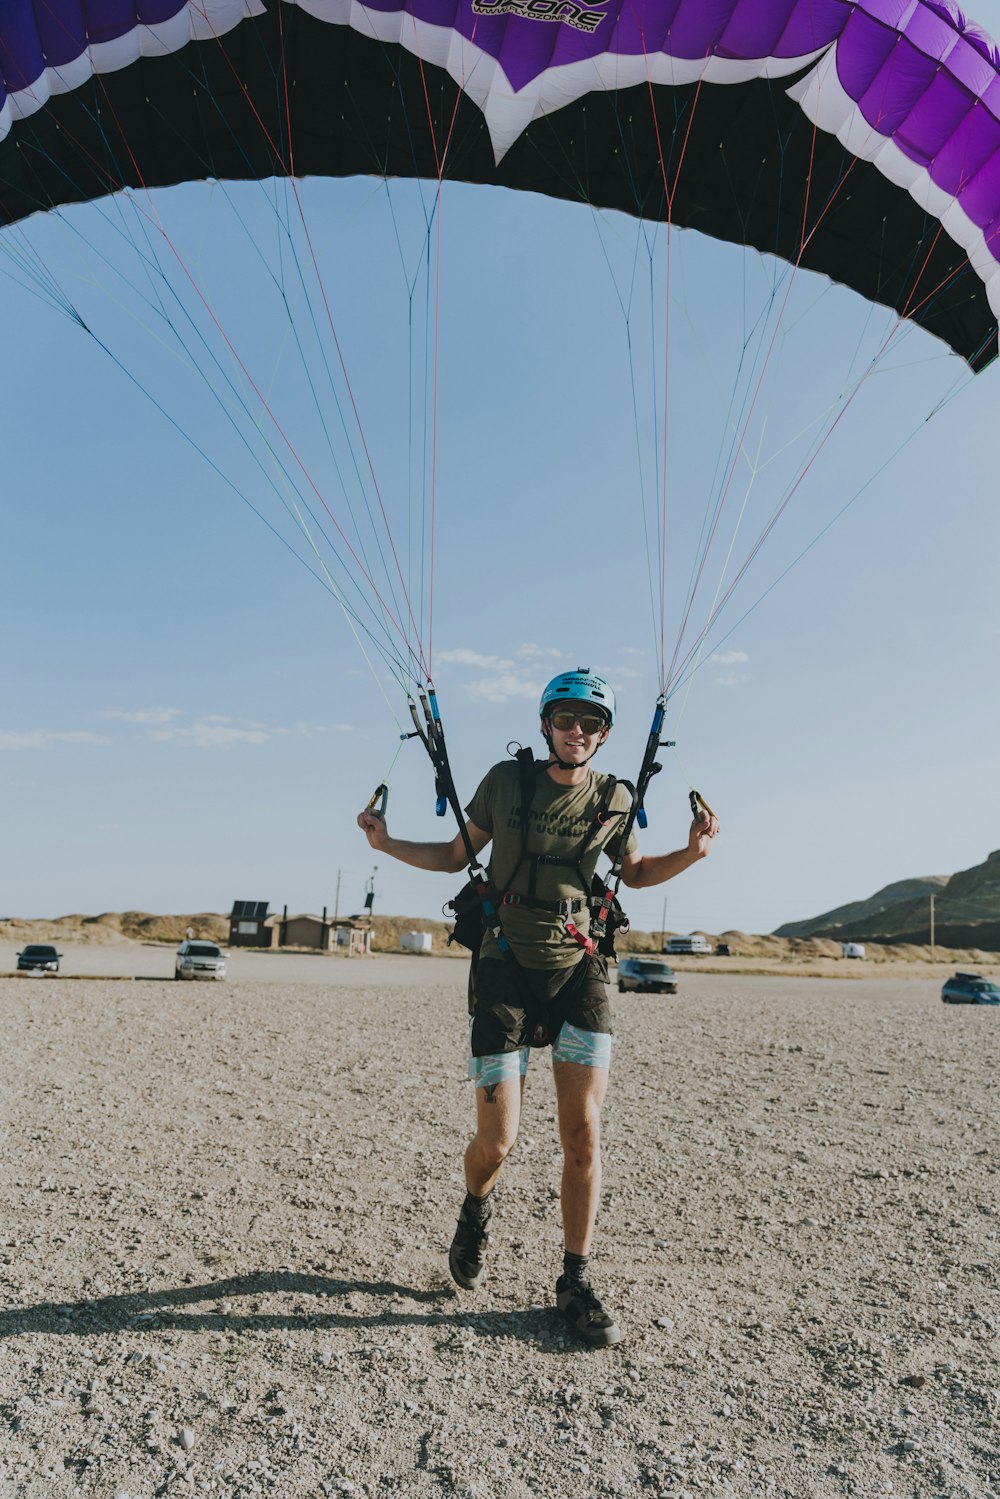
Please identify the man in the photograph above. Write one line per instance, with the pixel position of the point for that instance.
(550, 990)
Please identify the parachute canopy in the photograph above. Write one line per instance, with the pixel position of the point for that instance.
(860, 139)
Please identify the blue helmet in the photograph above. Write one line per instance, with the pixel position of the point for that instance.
(580, 686)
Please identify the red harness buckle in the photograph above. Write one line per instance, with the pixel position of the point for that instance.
(587, 943)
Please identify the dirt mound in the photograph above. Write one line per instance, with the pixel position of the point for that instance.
(113, 928)
(143, 927)
(61, 929)
(390, 929)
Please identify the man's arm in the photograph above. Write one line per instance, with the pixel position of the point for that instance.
(639, 871)
(441, 858)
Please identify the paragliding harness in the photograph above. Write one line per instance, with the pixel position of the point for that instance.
(476, 907)
(467, 907)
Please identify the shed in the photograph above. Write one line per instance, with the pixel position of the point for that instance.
(308, 931)
(416, 942)
(248, 924)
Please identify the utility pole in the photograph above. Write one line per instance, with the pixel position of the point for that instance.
(932, 926)
(663, 926)
(370, 893)
(336, 904)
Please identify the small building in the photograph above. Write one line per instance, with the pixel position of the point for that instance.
(416, 942)
(249, 925)
(353, 936)
(308, 931)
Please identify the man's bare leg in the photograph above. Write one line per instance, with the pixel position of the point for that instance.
(498, 1114)
(580, 1094)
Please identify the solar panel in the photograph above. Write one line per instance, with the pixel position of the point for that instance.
(249, 910)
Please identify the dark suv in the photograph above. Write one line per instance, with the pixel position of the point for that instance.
(38, 957)
(646, 976)
(970, 989)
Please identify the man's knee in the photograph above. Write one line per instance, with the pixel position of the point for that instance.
(493, 1146)
(581, 1139)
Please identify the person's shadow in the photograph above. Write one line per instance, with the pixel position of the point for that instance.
(178, 1308)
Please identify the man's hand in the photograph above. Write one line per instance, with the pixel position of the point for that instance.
(703, 830)
(372, 824)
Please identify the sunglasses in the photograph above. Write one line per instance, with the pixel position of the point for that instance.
(590, 723)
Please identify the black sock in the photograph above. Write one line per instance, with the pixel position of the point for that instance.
(478, 1209)
(575, 1266)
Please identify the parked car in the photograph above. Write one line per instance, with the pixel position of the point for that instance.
(970, 989)
(695, 943)
(852, 950)
(646, 976)
(38, 957)
(723, 950)
(199, 960)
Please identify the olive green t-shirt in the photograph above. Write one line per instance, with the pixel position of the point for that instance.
(559, 819)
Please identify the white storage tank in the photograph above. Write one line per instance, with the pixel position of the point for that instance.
(415, 941)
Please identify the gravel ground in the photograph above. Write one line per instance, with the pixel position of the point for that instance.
(223, 1254)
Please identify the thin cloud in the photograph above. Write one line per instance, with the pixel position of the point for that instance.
(533, 652)
(462, 656)
(308, 730)
(46, 738)
(733, 681)
(215, 733)
(143, 715)
(503, 687)
(729, 658)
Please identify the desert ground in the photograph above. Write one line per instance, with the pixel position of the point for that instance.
(228, 1208)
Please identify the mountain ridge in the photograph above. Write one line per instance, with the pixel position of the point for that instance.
(966, 911)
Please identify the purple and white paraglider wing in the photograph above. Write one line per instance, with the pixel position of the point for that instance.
(856, 139)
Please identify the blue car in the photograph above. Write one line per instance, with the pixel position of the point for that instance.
(970, 989)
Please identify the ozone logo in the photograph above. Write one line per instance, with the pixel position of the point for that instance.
(580, 17)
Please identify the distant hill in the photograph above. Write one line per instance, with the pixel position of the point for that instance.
(966, 911)
(749, 953)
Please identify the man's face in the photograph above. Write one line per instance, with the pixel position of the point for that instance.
(585, 727)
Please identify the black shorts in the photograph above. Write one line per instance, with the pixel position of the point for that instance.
(513, 1006)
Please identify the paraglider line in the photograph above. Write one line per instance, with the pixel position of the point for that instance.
(285, 228)
(687, 674)
(671, 675)
(440, 160)
(765, 533)
(336, 340)
(263, 400)
(158, 307)
(670, 193)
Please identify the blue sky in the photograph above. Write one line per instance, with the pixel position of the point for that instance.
(187, 718)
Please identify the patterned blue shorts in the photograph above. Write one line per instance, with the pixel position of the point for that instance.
(513, 1010)
(587, 1048)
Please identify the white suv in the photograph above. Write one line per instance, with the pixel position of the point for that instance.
(199, 960)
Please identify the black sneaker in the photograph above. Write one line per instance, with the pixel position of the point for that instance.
(583, 1311)
(466, 1257)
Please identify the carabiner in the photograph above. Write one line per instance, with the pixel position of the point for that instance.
(380, 795)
